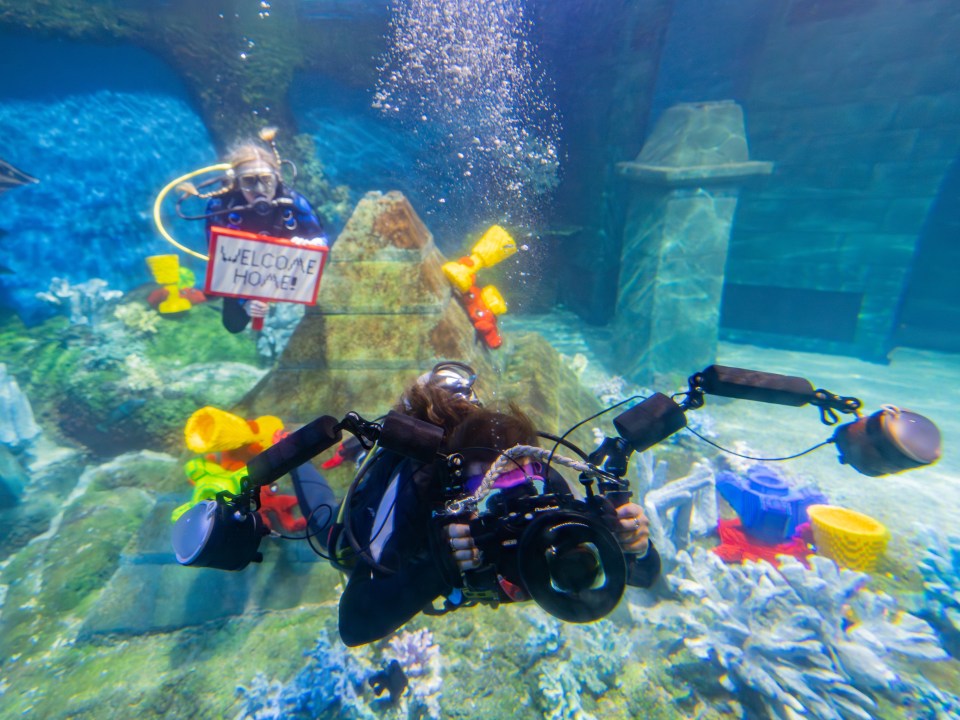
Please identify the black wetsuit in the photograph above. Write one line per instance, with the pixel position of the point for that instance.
(375, 604)
(291, 217)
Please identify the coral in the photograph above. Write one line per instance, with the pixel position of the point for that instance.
(138, 318)
(262, 700)
(17, 426)
(330, 682)
(560, 695)
(610, 390)
(680, 509)
(571, 659)
(277, 329)
(83, 302)
(940, 568)
(141, 374)
(420, 659)
(803, 641)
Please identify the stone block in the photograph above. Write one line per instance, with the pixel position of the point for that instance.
(928, 110)
(919, 179)
(694, 134)
(382, 227)
(906, 215)
(383, 287)
(151, 592)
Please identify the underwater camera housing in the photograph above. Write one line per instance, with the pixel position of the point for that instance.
(556, 549)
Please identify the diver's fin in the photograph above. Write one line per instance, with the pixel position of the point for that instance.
(11, 177)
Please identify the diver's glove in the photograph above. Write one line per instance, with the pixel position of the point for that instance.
(319, 241)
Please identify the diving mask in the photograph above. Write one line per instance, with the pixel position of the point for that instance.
(258, 182)
(457, 378)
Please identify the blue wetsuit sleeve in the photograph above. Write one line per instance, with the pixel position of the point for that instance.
(309, 223)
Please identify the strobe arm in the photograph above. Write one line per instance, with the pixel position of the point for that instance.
(399, 433)
(294, 450)
(766, 387)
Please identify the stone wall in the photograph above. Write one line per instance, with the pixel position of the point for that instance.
(604, 56)
(858, 104)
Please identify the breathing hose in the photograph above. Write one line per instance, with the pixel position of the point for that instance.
(219, 167)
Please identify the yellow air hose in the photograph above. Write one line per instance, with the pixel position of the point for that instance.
(163, 194)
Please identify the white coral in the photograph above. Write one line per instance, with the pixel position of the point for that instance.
(141, 375)
(808, 641)
(420, 659)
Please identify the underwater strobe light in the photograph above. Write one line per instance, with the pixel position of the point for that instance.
(217, 535)
(888, 441)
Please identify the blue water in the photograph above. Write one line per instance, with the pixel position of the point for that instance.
(772, 185)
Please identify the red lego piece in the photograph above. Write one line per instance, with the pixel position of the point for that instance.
(280, 507)
(736, 546)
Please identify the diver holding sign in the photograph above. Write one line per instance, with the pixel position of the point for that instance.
(266, 241)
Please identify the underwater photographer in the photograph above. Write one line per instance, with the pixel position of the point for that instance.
(391, 536)
(446, 503)
(404, 562)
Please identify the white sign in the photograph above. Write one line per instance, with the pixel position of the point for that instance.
(263, 268)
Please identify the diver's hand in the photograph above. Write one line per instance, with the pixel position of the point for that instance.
(633, 532)
(465, 552)
(256, 308)
(309, 242)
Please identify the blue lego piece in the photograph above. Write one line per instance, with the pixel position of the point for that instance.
(770, 507)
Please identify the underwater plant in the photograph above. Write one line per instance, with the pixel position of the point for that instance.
(799, 641)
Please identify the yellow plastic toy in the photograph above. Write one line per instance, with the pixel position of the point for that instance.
(209, 479)
(210, 429)
(482, 306)
(852, 539)
(493, 247)
(166, 272)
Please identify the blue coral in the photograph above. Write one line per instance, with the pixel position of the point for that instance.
(330, 682)
(940, 568)
(811, 641)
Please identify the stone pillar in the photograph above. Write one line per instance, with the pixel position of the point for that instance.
(682, 197)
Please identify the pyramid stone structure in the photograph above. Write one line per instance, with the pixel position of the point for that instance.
(385, 314)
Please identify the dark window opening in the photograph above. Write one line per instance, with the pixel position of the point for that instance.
(820, 314)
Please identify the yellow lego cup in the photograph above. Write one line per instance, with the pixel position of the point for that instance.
(494, 301)
(459, 275)
(852, 539)
(493, 247)
(212, 430)
(166, 271)
(267, 428)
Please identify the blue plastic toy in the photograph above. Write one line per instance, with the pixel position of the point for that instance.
(770, 507)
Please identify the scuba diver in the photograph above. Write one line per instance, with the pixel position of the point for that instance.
(396, 575)
(253, 198)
